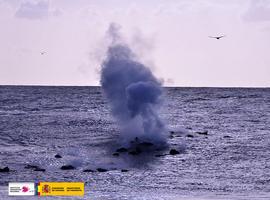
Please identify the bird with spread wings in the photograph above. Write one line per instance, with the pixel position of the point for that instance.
(217, 37)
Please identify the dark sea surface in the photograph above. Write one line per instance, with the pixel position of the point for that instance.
(231, 162)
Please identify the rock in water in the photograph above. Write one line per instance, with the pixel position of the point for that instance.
(136, 151)
(174, 152)
(5, 169)
(203, 132)
(31, 166)
(39, 170)
(124, 170)
(67, 167)
(57, 156)
(145, 144)
(101, 170)
(35, 168)
(121, 150)
(115, 154)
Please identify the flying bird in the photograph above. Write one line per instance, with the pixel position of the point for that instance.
(217, 37)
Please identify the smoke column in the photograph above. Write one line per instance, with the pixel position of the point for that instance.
(133, 92)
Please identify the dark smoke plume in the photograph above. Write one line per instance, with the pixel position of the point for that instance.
(133, 92)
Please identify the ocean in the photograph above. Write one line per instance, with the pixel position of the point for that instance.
(222, 134)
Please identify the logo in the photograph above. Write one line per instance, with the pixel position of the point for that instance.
(21, 189)
(46, 188)
(25, 189)
(60, 189)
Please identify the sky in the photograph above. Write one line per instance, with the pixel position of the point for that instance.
(169, 36)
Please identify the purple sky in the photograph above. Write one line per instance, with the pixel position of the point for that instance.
(170, 36)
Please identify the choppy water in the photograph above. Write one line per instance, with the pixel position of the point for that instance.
(231, 162)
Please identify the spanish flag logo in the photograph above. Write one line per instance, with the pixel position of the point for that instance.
(60, 189)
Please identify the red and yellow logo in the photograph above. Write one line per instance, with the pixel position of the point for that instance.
(46, 189)
(61, 189)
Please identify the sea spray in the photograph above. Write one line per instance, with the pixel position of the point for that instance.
(133, 92)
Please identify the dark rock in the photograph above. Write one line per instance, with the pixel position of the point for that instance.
(31, 166)
(134, 153)
(88, 170)
(35, 168)
(137, 151)
(57, 156)
(173, 152)
(101, 170)
(39, 170)
(5, 169)
(124, 170)
(67, 167)
(121, 150)
(115, 154)
(190, 136)
(203, 132)
(227, 136)
(146, 144)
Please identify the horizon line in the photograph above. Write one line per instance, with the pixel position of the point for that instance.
(165, 86)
